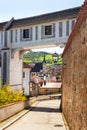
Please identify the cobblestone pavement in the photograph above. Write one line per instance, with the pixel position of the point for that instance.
(46, 115)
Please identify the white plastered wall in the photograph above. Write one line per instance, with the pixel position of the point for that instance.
(15, 76)
(26, 81)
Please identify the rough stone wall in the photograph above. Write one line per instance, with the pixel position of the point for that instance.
(74, 89)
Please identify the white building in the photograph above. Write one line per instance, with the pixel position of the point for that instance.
(26, 78)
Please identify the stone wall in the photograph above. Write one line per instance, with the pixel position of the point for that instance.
(12, 109)
(74, 89)
(9, 110)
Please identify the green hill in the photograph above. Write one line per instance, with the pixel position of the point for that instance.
(32, 57)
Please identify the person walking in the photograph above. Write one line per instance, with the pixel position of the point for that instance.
(44, 79)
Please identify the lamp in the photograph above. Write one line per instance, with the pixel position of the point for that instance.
(55, 57)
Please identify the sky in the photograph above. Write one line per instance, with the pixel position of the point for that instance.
(27, 8)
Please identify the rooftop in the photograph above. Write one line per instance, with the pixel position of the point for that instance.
(37, 67)
(58, 15)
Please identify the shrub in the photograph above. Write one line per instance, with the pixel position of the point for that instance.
(7, 95)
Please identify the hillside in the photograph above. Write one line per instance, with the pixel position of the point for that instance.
(33, 57)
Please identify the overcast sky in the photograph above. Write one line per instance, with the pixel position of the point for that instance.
(27, 8)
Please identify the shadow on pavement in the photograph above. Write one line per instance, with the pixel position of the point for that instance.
(44, 109)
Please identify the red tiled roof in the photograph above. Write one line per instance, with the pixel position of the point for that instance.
(82, 14)
(25, 65)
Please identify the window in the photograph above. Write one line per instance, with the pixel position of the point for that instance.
(11, 33)
(4, 66)
(23, 74)
(36, 32)
(5, 44)
(15, 35)
(67, 28)
(60, 29)
(48, 31)
(1, 37)
(72, 24)
(26, 34)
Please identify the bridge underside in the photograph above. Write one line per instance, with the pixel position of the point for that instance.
(39, 46)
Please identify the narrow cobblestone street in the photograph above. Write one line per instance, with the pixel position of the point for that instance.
(46, 115)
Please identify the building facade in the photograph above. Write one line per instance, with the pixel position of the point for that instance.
(26, 78)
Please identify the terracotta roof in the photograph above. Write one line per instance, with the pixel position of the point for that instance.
(25, 65)
(58, 15)
(82, 14)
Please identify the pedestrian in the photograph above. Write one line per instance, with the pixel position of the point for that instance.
(44, 79)
(41, 82)
(48, 78)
